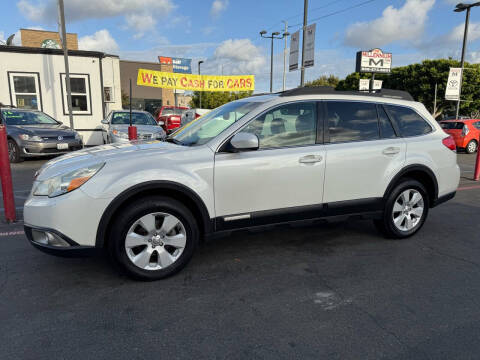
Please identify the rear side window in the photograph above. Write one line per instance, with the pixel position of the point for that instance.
(477, 125)
(409, 122)
(386, 128)
(452, 125)
(351, 121)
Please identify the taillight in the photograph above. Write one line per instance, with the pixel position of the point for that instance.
(449, 143)
(465, 130)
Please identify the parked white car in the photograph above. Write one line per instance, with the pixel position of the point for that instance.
(302, 154)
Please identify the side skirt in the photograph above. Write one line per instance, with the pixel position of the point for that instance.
(362, 208)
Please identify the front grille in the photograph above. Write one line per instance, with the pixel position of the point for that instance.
(56, 138)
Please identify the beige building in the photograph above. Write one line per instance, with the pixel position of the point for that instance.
(47, 39)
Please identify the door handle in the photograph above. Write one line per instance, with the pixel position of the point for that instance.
(310, 159)
(391, 151)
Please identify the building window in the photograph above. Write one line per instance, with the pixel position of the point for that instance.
(108, 93)
(25, 90)
(80, 88)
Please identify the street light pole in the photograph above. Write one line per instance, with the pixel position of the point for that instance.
(200, 92)
(459, 8)
(274, 35)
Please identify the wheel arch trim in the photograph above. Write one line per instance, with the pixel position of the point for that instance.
(415, 168)
(162, 185)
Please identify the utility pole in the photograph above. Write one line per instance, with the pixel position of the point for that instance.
(305, 13)
(63, 35)
(285, 57)
(200, 92)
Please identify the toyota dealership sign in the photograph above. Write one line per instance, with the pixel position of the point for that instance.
(374, 61)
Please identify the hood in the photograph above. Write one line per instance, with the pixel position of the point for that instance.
(43, 130)
(106, 153)
(140, 128)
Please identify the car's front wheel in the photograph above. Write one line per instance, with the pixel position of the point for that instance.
(13, 152)
(406, 209)
(153, 238)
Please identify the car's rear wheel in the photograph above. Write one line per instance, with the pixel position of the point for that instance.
(153, 238)
(406, 209)
(13, 151)
(471, 147)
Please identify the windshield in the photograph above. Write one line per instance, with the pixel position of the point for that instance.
(452, 125)
(205, 128)
(172, 111)
(19, 117)
(123, 118)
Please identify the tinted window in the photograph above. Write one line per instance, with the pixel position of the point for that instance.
(123, 118)
(351, 121)
(18, 117)
(409, 122)
(288, 125)
(386, 128)
(452, 125)
(477, 124)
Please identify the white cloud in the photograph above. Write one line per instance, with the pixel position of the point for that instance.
(456, 35)
(218, 6)
(140, 15)
(242, 56)
(403, 24)
(100, 41)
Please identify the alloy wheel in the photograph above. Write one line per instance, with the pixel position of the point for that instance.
(472, 146)
(12, 151)
(408, 210)
(155, 241)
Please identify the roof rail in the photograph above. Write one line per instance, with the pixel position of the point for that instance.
(327, 90)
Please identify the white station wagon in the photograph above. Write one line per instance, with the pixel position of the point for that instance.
(301, 154)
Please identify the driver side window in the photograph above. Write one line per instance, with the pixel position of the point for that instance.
(292, 124)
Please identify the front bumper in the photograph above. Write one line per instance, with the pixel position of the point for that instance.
(31, 148)
(55, 243)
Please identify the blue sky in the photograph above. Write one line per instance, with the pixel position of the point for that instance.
(224, 33)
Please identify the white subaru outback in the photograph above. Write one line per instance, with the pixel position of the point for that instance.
(302, 154)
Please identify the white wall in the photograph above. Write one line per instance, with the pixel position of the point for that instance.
(49, 68)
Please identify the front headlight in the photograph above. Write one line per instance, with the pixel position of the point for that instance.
(120, 134)
(78, 136)
(65, 183)
(27, 137)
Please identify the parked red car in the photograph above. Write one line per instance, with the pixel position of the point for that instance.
(465, 132)
(171, 117)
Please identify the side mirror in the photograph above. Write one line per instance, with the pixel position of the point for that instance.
(161, 123)
(244, 142)
(104, 122)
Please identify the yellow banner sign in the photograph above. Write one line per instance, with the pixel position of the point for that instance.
(167, 80)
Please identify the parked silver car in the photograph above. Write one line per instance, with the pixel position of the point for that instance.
(117, 126)
(33, 133)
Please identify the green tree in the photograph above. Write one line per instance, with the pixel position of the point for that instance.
(214, 99)
(419, 80)
(324, 80)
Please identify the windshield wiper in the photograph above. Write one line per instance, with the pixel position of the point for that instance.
(172, 140)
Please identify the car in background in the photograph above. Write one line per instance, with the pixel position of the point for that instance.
(32, 133)
(192, 114)
(118, 121)
(465, 132)
(171, 117)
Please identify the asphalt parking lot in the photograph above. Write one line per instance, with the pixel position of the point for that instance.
(329, 291)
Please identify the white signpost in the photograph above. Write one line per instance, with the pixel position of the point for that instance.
(364, 85)
(308, 61)
(374, 61)
(452, 92)
(294, 44)
(377, 84)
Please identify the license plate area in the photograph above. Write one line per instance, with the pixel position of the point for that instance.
(62, 146)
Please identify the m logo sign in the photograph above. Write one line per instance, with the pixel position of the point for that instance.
(374, 61)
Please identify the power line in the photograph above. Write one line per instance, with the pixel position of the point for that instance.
(335, 12)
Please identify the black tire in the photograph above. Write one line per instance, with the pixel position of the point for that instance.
(134, 211)
(471, 147)
(386, 225)
(13, 151)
